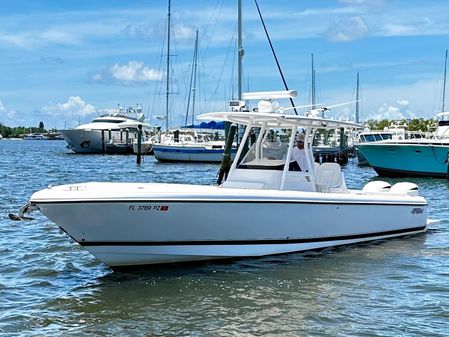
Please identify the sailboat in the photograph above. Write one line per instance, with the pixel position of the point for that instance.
(262, 208)
(192, 143)
(427, 157)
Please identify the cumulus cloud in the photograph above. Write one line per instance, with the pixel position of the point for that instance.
(347, 29)
(400, 110)
(128, 74)
(72, 109)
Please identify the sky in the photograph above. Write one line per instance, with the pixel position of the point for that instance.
(64, 62)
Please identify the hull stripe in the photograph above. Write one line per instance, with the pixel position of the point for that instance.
(400, 173)
(242, 201)
(252, 242)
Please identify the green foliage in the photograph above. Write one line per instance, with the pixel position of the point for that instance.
(417, 124)
(19, 131)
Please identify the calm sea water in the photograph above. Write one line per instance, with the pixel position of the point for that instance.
(51, 287)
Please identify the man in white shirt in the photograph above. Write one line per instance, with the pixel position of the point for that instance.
(299, 154)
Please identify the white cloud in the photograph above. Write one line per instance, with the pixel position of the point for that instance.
(400, 110)
(347, 29)
(132, 73)
(184, 32)
(34, 39)
(74, 107)
(2, 107)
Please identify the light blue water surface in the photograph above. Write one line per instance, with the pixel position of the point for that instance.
(52, 287)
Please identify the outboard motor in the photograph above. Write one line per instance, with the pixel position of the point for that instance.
(376, 187)
(405, 188)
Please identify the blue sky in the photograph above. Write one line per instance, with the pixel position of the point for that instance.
(63, 61)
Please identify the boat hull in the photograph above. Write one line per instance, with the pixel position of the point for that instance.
(199, 154)
(396, 159)
(203, 222)
(94, 141)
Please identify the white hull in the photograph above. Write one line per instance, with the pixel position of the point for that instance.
(164, 223)
(189, 153)
(91, 141)
(145, 147)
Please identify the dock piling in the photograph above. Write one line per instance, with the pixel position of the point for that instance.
(139, 144)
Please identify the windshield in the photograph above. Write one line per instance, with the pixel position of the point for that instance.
(104, 120)
(269, 154)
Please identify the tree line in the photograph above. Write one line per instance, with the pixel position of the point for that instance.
(416, 124)
(20, 131)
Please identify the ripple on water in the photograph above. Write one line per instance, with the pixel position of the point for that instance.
(51, 287)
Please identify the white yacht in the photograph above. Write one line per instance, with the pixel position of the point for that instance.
(262, 208)
(109, 132)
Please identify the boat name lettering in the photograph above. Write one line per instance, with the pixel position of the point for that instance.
(417, 211)
(147, 208)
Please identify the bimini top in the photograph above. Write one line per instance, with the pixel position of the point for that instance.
(277, 120)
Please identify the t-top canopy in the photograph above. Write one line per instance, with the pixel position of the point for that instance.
(276, 120)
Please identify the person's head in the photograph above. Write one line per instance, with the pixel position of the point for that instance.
(300, 141)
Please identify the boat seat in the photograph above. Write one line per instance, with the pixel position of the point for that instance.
(316, 166)
(328, 177)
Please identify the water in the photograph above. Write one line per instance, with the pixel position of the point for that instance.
(51, 287)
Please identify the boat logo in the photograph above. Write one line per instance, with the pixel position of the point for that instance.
(416, 211)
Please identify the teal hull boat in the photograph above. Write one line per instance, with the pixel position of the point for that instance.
(408, 158)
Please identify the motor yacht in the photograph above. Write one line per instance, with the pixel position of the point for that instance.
(426, 156)
(264, 207)
(112, 132)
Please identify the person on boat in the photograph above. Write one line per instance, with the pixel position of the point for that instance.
(299, 154)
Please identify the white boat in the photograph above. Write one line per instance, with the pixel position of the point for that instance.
(192, 146)
(35, 136)
(102, 133)
(262, 208)
(426, 157)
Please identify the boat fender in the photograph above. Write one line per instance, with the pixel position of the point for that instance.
(405, 188)
(376, 186)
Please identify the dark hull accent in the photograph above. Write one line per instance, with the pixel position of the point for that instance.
(187, 161)
(403, 173)
(255, 242)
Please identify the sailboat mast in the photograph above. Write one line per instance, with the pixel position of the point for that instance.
(167, 89)
(313, 86)
(195, 65)
(357, 107)
(444, 82)
(240, 49)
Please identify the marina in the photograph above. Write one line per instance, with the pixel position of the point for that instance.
(214, 206)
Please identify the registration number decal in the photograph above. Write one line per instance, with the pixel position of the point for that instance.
(161, 208)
